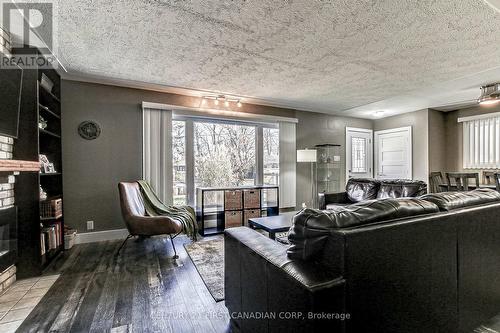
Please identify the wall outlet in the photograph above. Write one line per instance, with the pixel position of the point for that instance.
(90, 225)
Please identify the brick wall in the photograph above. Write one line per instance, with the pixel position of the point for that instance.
(7, 277)
(6, 144)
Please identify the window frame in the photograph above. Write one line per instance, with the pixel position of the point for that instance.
(190, 153)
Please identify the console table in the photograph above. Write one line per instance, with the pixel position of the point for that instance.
(219, 208)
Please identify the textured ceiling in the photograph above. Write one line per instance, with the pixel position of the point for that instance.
(329, 56)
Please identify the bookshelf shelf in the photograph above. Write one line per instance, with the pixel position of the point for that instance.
(42, 131)
(46, 110)
(40, 235)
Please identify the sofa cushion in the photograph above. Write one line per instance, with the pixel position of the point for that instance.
(360, 189)
(311, 227)
(400, 188)
(447, 201)
(336, 205)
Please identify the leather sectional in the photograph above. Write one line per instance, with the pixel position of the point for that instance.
(361, 189)
(427, 264)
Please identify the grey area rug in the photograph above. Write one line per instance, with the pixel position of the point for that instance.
(208, 258)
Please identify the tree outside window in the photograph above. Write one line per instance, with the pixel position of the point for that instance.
(179, 162)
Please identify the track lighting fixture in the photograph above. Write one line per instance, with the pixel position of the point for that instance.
(227, 100)
(490, 94)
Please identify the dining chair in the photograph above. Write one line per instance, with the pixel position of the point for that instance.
(489, 177)
(496, 176)
(461, 180)
(435, 179)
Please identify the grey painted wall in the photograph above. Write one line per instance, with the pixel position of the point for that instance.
(437, 140)
(419, 121)
(317, 128)
(93, 168)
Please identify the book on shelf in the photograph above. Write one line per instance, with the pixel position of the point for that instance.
(42, 243)
(50, 238)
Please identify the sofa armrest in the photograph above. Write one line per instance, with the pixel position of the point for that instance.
(259, 277)
(309, 275)
(328, 198)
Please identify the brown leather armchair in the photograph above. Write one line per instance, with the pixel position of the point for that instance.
(138, 222)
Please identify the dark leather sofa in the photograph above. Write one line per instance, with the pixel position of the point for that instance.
(361, 189)
(428, 264)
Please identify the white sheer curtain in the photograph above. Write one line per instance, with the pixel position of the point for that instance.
(288, 164)
(157, 151)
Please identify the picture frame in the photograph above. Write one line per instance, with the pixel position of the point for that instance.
(49, 168)
(46, 83)
(43, 159)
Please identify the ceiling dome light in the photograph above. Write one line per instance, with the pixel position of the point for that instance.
(490, 94)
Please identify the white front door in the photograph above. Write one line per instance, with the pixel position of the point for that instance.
(393, 153)
(359, 153)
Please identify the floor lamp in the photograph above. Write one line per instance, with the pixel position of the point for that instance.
(309, 156)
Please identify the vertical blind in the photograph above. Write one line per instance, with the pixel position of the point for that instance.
(481, 143)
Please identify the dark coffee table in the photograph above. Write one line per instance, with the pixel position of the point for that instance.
(272, 224)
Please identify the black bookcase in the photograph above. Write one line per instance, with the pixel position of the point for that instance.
(32, 141)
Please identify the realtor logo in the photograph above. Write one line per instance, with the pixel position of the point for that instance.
(30, 25)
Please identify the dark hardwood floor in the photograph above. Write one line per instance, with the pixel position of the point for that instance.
(141, 290)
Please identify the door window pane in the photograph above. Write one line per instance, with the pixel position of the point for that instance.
(224, 154)
(179, 161)
(358, 161)
(271, 143)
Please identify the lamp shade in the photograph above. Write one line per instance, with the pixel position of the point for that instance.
(306, 155)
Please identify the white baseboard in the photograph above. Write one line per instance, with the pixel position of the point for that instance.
(100, 236)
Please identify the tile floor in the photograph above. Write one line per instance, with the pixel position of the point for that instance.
(22, 297)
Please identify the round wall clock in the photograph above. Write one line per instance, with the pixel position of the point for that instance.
(89, 130)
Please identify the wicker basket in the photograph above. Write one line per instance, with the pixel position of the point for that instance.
(251, 199)
(232, 200)
(51, 209)
(233, 219)
(250, 214)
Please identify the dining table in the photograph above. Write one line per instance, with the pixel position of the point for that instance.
(453, 187)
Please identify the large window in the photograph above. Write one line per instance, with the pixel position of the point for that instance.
(212, 153)
(481, 142)
(224, 154)
(179, 162)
